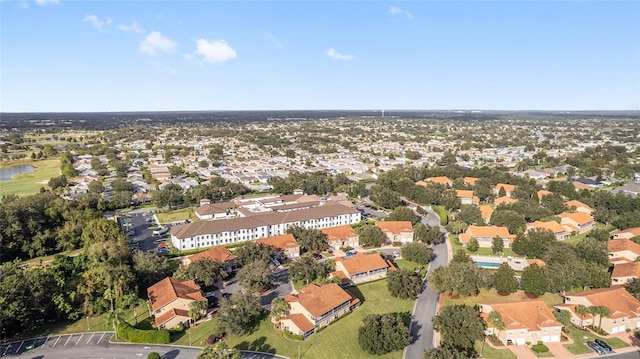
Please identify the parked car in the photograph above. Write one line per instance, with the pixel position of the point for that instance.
(160, 231)
(603, 344)
(598, 349)
(351, 252)
(396, 254)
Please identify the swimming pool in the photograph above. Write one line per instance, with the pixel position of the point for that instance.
(488, 265)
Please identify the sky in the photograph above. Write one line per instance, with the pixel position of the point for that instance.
(78, 56)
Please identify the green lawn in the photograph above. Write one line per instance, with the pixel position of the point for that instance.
(199, 334)
(405, 264)
(579, 345)
(339, 340)
(493, 353)
(577, 238)
(177, 215)
(456, 246)
(29, 183)
(491, 296)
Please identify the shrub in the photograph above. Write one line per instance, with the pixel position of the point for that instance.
(153, 355)
(134, 335)
(540, 348)
(292, 336)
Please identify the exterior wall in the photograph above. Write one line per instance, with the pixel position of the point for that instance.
(621, 280)
(487, 242)
(292, 252)
(405, 237)
(466, 200)
(175, 321)
(368, 276)
(334, 314)
(288, 324)
(522, 336)
(345, 242)
(624, 254)
(617, 325)
(179, 303)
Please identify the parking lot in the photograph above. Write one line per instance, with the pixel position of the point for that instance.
(57, 341)
(141, 226)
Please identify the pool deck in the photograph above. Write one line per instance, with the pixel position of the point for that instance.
(516, 263)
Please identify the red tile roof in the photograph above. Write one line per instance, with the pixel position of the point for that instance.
(618, 300)
(301, 322)
(361, 262)
(395, 227)
(531, 315)
(623, 244)
(283, 242)
(318, 300)
(170, 314)
(339, 233)
(218, 254)
(170, 289)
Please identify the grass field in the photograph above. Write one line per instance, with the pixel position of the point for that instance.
(579, 345)
(491, 296)
(339, 340)
(29, 183)
(577, 238)
(456, 246)
(493, 353)
(177, 215)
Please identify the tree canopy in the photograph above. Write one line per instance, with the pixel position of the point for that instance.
(384, 333)
(460, 326)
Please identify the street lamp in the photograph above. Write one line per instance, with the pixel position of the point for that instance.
(189, 337)
(298, 351)
(88, 327)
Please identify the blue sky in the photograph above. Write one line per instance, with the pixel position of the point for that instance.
(59, 55)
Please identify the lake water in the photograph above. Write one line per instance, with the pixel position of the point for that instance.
(7, 173)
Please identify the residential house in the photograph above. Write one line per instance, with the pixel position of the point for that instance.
(170, 300)
(623, 250)
(441, 180)
(579, 206)
(361, 267)
(627, 233)
(624, 272)
(285, 242)
(315, 307)
(631, 189)
(542, 193)
(217, 254)
(341, 237)
(508, 189)
(530, 321)
(558, 230)
(485, 235)
(578, 222)
(471, 181)
(467, 197)
(396, 231)
(219, 210)
(504, 200)
(486, 212)
(624, 308)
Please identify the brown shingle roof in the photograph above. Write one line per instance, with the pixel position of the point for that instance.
(507, 187)
(213, 208)
(395, 227)
(577, 204)
(530, 314)
(626, 270)
(552, 226)
(489, 231)
(282, 242)
(578, 217)
(361, 262)
(470, 180)
(632, 232)
(461, 193)
(485, 211)
(170, 289)
(623, 244)
(218, 254)
(442, 180)
(170, 314)
(618, 300)
(318, 300)
(301, 322)
(339, 233)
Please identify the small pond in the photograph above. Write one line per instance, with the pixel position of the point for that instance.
(8, 173)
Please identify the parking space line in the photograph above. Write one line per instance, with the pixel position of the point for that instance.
(5, 351)
(45, 342)
(101, 338)
(17, 350)
(90, 337)
(54, 344)
(67, 342)
(81, 335)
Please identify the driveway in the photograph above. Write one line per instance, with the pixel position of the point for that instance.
(281, 286)
(143, 238)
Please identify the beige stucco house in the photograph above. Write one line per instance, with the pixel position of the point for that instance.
(530, 321)
(170, 300)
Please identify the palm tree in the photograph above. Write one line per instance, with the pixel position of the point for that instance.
(112, 318)
(279, 309)
(110, 295)
(581, 310)
(197, 309)
(496, 320)
(602, 311)
(132, 301)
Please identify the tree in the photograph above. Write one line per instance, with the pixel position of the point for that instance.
(497, 245)
(504, 280)
(473, 245)
(96, 187)
(306, 269)
(384, 333)
(310, 240)
(602, 312)
(502, 192)
(513, 220)
(253, 252)
(207, 271)
(59, 182)
(403, 284)
(460, 326)
(445, 352)
(417, 252)
(153, 355)
(403, 213)
(592, 250)
(239, 314)
(384, 197)
(426, 234)
(581, 310)
(470, 214)
(372, 236)
(279, 309)
(150, 268)
(554, 202)
(256, 276)
(534, 281)
(458, 279)
(197, 309)
(496, 321)
(220, 351)
(633, 287)
(132, 301)
(534, 243)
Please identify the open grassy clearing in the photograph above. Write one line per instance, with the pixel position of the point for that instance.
(579, 345)
(339, 340)
(29, 183)
(491, 296)
(493, 353)
(177, 215)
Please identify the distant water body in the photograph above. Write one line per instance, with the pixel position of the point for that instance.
(7, 174)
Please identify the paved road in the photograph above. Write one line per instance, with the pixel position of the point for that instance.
(281, 287)
(425, 306)
(96, 345)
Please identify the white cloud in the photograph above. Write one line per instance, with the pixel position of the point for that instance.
(155, 42)
(130, 28)
(95, 22)
(394, 10)
(47, 2)
(215, 50)
(332, 53)
(274, 40)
